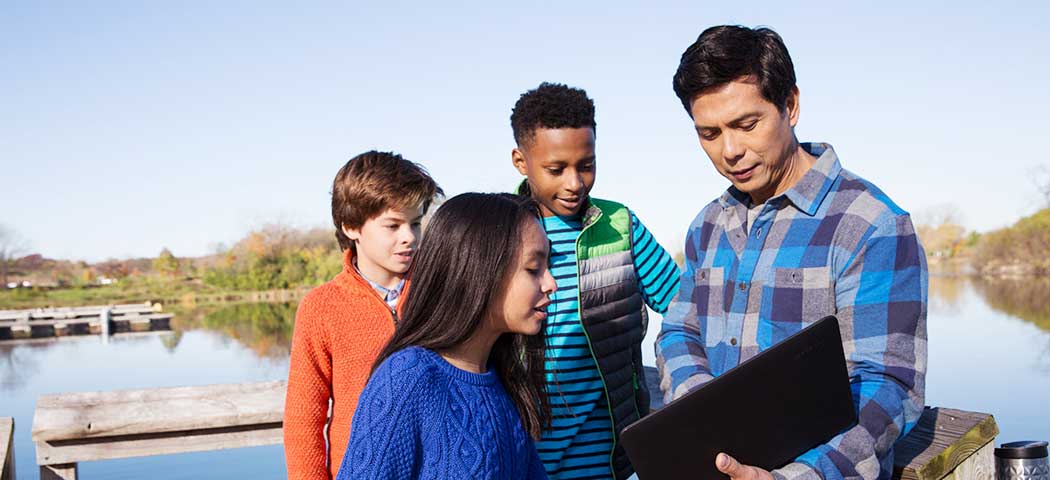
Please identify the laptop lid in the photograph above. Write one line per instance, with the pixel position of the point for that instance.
(764, 412)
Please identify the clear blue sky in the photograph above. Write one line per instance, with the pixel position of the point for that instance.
(126, 127)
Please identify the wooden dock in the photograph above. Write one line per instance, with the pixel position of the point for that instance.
(7, 450)
(75, 427)
(102, 320)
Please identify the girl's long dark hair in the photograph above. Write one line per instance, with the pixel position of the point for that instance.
(468, 249)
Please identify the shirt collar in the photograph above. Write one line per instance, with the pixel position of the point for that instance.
(389, 295)
(809, 192)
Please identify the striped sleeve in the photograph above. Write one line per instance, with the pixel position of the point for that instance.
(658, 275)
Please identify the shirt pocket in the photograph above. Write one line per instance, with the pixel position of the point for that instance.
(708, 296)
(801, 296)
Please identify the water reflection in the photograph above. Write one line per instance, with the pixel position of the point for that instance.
(947, 294)
(1025, 298)
(16, 366)
(265, 328)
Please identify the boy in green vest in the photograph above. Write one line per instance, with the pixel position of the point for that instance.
(608, 268)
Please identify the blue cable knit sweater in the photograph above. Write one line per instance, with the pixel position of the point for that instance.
(420, 417)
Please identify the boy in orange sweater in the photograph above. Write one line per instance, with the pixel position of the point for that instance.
(378, 202)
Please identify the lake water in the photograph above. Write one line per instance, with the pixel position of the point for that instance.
(989, 352)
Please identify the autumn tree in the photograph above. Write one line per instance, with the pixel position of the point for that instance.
(166, 264)
(940, 230)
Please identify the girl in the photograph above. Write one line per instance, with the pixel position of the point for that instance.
(457, 393)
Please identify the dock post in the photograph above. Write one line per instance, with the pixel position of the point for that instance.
(103, 322)
(21, 327)
(7, 448)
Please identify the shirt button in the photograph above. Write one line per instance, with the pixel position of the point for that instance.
(758, 232)
(743, 286)
(732, 341)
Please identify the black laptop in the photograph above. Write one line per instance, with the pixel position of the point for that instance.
(765, 412)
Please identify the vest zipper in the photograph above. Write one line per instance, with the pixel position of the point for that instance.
(590, 347)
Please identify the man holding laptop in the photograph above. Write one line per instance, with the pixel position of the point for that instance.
(795, 238)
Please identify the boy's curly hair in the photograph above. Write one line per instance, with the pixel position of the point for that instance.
(551, 105)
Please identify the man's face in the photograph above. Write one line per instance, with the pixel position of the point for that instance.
(559, 164)
(748, 139)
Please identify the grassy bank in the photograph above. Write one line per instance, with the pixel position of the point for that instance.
(188, 292)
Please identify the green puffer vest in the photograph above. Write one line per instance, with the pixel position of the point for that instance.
(613, 315)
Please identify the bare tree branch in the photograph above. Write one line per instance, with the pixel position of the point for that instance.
(12, 247)
(1040, 178)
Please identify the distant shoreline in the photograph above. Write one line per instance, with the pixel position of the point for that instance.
(74, 297)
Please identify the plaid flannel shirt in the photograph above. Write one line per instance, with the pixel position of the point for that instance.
(832, 244)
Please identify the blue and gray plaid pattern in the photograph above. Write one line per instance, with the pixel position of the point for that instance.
(832, 244)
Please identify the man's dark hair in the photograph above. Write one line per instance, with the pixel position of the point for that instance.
(726, 53)
(464, 260)
(551, 105)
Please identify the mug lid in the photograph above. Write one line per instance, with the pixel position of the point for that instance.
(1024, 449)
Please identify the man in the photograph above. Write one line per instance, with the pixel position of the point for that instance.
(796, 237)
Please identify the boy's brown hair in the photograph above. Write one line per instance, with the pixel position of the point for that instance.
(373, 182)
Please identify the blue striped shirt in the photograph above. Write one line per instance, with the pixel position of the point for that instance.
(580, 442)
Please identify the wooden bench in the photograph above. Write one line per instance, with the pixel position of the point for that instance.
(75, 427)
(7, 448)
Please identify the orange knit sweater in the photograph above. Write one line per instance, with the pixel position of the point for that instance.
(340, 328)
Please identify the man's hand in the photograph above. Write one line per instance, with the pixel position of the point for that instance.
(737, 471)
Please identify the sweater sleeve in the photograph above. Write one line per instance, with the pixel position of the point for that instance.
(385, 439)
(307, 397)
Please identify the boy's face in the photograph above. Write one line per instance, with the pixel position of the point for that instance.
(559, 164)
(748, 139)
(385, 244)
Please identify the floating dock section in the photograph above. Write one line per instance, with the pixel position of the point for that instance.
(105, 320)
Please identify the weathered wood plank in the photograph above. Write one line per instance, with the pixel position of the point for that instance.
(58, 472)
(67, 416)
(107, 448)
(942, 440)
(979, 466)
(7, 448)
